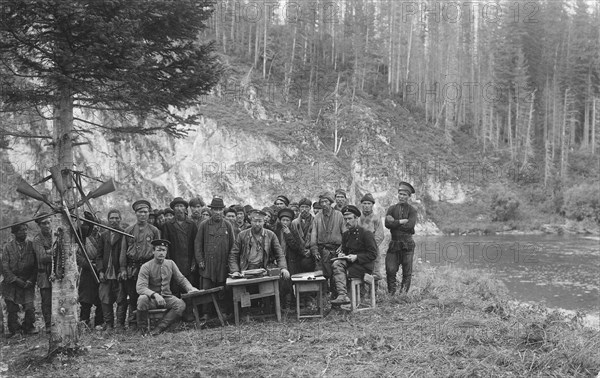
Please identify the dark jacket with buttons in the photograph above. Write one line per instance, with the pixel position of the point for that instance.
(360, 242)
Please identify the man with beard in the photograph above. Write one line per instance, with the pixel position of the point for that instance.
(401, 219)
(42, 244)
(111, 290)
(257, 248)
(326, 237)
(181, 234)
(212, 246)
(154, 288)
(369, 221)
(18, 288)
(136, 251)
(341, 199)
(359, 251)
(303, 227)
(196, 207)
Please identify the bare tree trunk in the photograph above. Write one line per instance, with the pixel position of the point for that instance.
(564, 143)
(408, 53)
(265, 41)
(509, 133)
(528, 148)
(593, 126)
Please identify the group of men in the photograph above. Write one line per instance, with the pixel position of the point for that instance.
(152, 262)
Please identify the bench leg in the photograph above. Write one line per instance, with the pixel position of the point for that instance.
(353, 301)
(277, 303)
(217, 309)
(196, 314)
(297, 303)
(236, 312)
(321, 300)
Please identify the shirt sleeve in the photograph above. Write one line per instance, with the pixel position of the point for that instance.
(142, 282)
(395, 223)
(276, 248)
(412, 220)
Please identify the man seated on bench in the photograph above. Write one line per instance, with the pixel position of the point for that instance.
(359, 251)
(154, 288)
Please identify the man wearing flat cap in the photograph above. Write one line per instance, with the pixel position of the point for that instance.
(154, 287)
(136, 251)
(359, 251)
(213, 243)
(181, 233)
(326, 237)
(370, 221)
(401, 219)
(257, 248)
(42, 244)
(341, 199)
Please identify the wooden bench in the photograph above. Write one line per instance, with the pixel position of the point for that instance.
(308, 285)
(355, 284)
(196, 298)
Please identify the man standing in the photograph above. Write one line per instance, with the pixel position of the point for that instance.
(369, 221)
(241, 218)
(257, 248)
(136, 251)
(111, 290)
(181, 233)
(401, 219)
(295, 206)
(154, 288)
(42, 244)
(341, 199)
(169, 214)
(359, 251)
(281, 202)
(303, 227)
(19, 268)
(231, 217)
(196, 205)
(326, 237)
(212, 246)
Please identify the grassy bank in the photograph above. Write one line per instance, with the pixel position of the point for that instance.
(453, 323)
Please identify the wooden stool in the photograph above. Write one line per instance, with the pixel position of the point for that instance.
(197, 298)
(355, 300)
(308, 285)
(157, 313)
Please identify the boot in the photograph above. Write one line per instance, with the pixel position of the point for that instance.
(405, 285)
(131, 319)
(121, 314)
(141, 321)
(169, 318)
(391, 282)
(109, 316)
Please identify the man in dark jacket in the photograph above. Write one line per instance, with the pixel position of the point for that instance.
(19, 267)
(400, 219)
(359, 251)
(111, 290)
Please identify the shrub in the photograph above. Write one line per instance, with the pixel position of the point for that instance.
(581, 202)
(504, 204)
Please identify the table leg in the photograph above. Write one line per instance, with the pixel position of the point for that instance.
(217, 309)
(277, 302)
(297, 302)
(321, 300)
(236, 310)
(196, 315)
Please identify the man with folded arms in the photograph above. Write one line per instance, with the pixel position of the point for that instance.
(359, 251)
(154, 288)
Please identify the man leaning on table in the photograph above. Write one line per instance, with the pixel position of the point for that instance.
(257, 247)
(154, 288)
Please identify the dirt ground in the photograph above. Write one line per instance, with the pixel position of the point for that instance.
(453, 323)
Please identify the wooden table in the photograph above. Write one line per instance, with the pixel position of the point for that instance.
(308, 285)
(202, 297)
(246, 289)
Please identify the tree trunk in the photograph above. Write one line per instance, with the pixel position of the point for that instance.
(65, 305)
(593, 126)
(265, 41)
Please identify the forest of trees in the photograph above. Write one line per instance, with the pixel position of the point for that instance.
(521, 76)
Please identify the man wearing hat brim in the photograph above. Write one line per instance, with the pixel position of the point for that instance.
(358, 254)
(326, 237)
(136, 251)
(370, 221)
(154, 287)
(181, 233)
(400, 219)
(42, 244)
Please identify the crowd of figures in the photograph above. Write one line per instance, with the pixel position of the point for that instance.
(136, 268)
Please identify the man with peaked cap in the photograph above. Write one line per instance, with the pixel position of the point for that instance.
(181, 233)
(42, 244)
(212, 245)
(359, 251)
(302, 224)
(19, 268)
(256, 248)
(341, 199)
(281, 202)
(111, 290)
(196, 207)
(401, 219)
(136, 251)
(153, 286)
(326, 237)
(370, 221)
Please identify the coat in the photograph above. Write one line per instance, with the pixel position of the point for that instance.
(292, 248)
(213, 243)
(238, 258)
(182, 237)
(42, 246)
(18, 267)
(88, 287)
(360, 242)
(109, 248)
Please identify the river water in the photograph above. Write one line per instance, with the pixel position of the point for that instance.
(558, 271)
